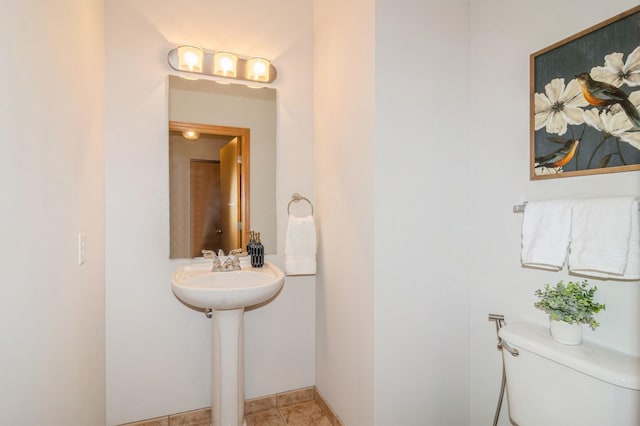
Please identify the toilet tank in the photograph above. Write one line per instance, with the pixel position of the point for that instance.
(551, 384)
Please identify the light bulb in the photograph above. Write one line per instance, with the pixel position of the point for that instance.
(224, 64)
(190, 135)
(190, 58)
(258, 69)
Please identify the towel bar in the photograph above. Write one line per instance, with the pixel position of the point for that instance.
(297, 197)
(519, 208)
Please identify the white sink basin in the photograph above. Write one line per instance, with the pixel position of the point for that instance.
(196, 285)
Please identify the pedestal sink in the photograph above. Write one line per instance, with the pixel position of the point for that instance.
(227, 294)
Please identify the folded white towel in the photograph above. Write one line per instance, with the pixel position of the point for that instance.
(300, 246)
(632, 271)
(600, 236)
(546, 229)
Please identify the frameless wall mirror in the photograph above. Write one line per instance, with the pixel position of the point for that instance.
(222, 142)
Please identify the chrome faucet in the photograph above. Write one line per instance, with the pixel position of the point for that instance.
(232, 263)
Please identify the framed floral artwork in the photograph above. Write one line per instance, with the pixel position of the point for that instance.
(585, 99)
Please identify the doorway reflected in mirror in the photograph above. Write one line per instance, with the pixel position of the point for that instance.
(208, 188)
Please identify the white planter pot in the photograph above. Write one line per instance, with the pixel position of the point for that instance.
(568, 334)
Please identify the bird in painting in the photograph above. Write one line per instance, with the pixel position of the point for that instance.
(560, 157)
(601, 94)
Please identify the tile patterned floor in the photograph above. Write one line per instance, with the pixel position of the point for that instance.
(302, 407)
(305, 414)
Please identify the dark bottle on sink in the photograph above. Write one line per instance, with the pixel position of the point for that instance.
(257, 253)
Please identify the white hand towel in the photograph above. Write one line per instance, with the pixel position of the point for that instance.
(300, 246)
(546, 229)
(632, 271)
(600, 236)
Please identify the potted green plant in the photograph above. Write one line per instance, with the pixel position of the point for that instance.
(569, 306)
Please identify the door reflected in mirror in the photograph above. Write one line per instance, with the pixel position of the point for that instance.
(207, 180)
(221, 166)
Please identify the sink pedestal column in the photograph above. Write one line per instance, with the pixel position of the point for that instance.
(227, 396)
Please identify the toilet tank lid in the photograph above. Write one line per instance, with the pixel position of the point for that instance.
(589, 358)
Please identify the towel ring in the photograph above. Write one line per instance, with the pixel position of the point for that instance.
(297, 197)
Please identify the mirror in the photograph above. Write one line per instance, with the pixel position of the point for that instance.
(222, 185)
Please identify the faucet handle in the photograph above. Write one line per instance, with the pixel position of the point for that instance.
(235, 262)
(238, 252)
(209, 254)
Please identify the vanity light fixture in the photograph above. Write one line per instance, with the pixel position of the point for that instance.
(190, 135)
(220, 63)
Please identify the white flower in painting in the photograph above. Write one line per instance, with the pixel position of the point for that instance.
(540, 171)
(632, 138)
(606, 122)
(559, 106)
(617, 72)
(615, 122)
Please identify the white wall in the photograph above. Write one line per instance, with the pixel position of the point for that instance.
(158, 351)
(422, 211)
(503, 34)
(392, 165)
(344, 150)
(51, 180)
